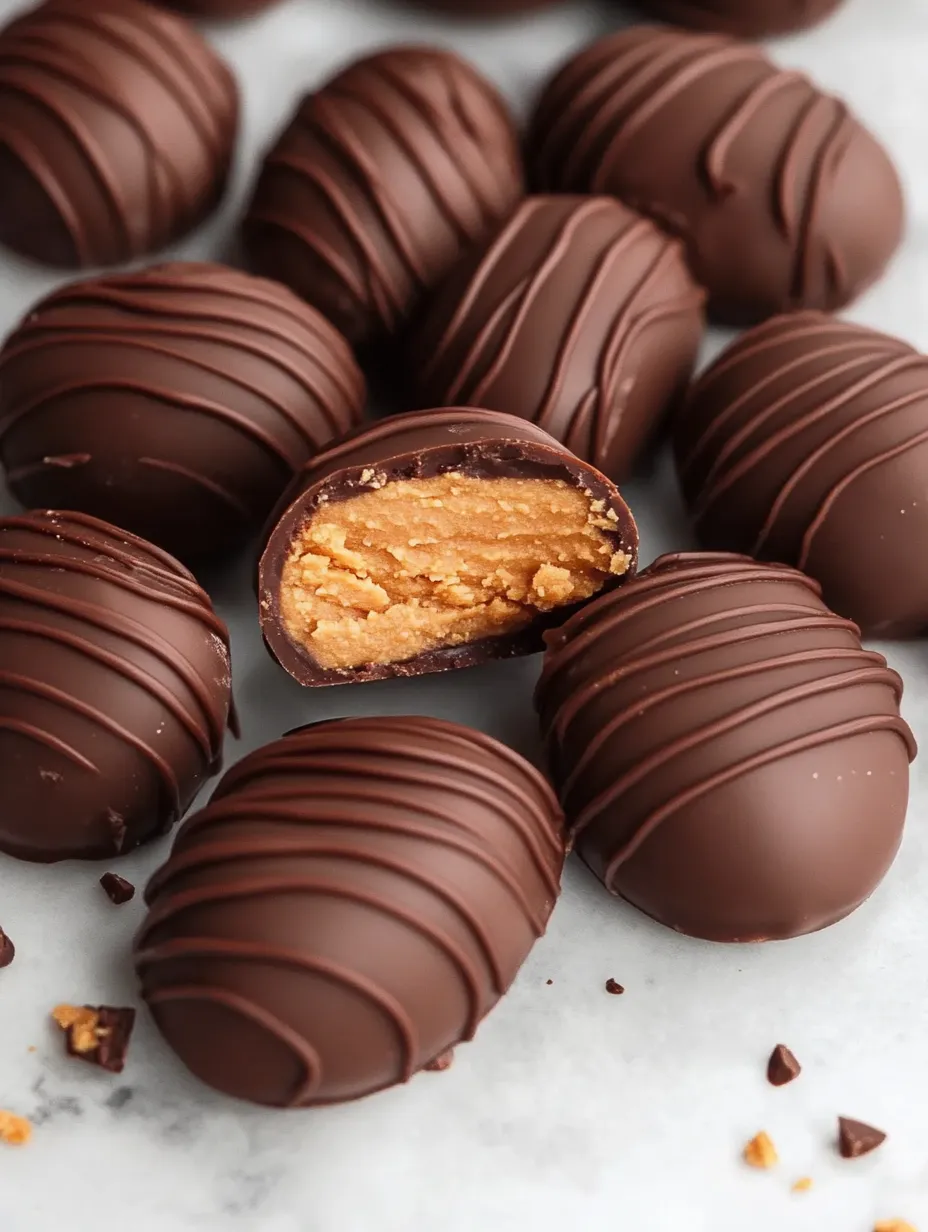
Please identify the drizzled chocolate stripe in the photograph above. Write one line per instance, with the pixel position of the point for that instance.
(406, 861)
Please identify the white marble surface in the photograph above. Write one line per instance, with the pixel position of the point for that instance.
(572, 1108)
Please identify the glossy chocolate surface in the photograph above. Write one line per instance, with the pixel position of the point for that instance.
(177, 401)
(114, 688)
(729, 758)
(782, 198)
(353, 901)
(745, 18)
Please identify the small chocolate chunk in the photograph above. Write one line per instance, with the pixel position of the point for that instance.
(782, 1066)
(117, 889)
(436, 540)
(7, 950)
(443, 1061)
(614, 987)
(856, 1139)
(97, 1034)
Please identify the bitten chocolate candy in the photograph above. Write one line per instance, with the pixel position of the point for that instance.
(379, 183)
(114, 688)
(117, 123)
(747, 18)
(435, 540)
(581, 316)
(176, 401)
(729, 758)
(783, 199)
(353, 901)
(807, 442)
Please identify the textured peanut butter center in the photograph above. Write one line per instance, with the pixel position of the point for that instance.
(426, 563)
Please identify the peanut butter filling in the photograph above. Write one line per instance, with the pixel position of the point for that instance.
(414, 565)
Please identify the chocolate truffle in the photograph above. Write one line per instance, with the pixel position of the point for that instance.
(435, 540)
(783, 199)
(114, 688)
(807, 442)
(176, 401)
(382, 179)
(729, 758)
(746, 18)
(353, 901)
(581, 316)
(117, 123)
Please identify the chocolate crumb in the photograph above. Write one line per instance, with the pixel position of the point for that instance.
(615, 988)
(14, 1130)
(117, 889)
(442, 1062)
(98, 1034)
(782, 1066)
(760, 1152)
(856, 1139)
(549, 981)
(7, 950)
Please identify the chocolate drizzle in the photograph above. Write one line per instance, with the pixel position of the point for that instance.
(802, 443)
(197, 390)
(382, 178)
(395, 872)
(593, 286)
(114, 674)
(701, 723)
(118, 123)
(741, 124)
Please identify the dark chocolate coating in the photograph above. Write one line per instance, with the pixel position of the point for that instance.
(421, 445)
(484, 8)
(782, 198)
(380, 181)
(220, 9)
(581, 316)
(177, 401)
(117, 126)
(114, 688)
(353, 901)
(807, 442)
(729, 758)
(745, 18)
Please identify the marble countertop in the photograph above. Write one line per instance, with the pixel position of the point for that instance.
(572, 1108)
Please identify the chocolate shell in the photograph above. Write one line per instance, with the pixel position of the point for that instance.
(380, 181)
(176, 401)
(807, 442)
(729, 758)
(114, 688)
(220, 9)
(782, 198)
(745, 18)
(117, 125)
(436, 540)
(581, 316)
(353, 901)
(485, 8)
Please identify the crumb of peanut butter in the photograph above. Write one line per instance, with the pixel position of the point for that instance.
(14, 1130)
(893, 1225)
(760, 1152)
(803, 1185)
(82, 1023)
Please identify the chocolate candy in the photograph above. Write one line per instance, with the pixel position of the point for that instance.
(378, 184)
(729, 758)
(435, 540)
(807, 442)
(353, 901)
(782, 198)
(114, 688)
(581, 316)
(117, 123)
(746, 18)
(176, 401)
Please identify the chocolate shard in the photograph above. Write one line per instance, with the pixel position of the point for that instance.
(390, 875)
(7, 949)
(435, 540)
(596, 322)
(729, 757)
(745, 18)
(97, 1034)
(117, 688)
(135, 112)
(614, 987)
(753, 167)
(443, 1061)
(117, 889)
(782, 1066)
(410, 148)
(192, 392)
(856, 1139)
